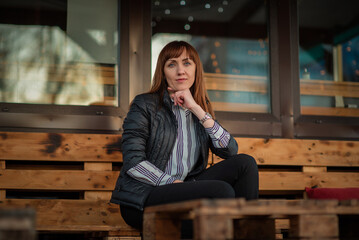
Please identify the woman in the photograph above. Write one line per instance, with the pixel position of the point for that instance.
(166, 137)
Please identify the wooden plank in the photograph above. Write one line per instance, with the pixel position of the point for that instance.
(299, 180)
(240, 107)
(94, 166)
(2, 192)
(161, 227)
(97, 195)
(74, 215)
(314, 169)
(78, 73)
(300, 152)
(329, 88)
(314, 226)
(259, 84)
(239, 207)
(212, 226)
(211, 216)
(58, 179)
(17, 224)
(60, 147)
(327, 111)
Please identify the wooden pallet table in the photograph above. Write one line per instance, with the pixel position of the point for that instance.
(67, 178)
(240, 219)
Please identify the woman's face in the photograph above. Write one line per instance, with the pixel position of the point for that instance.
(180, 72)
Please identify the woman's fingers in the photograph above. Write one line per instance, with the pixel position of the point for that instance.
(181, 98)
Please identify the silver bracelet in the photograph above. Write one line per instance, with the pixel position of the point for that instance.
(205, 118)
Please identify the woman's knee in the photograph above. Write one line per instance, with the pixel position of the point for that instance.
(220, 189)
(244, 160)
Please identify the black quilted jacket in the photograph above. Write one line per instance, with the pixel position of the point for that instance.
(150, 132)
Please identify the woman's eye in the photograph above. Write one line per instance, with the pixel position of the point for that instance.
(171, 65)
(187, 63)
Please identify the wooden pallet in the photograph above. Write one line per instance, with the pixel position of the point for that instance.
(238, 219)
(69, 177)
(66, 178)
(17, 224)
(287, 166)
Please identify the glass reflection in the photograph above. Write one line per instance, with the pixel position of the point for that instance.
(60, 65)
(231, 39)
(329, 55)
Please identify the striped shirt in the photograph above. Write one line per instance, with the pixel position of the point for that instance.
(185, 152)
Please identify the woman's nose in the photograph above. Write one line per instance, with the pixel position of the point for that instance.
(180, 69)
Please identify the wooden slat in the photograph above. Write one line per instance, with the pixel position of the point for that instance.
(247, 83)
(2, 192)
(298, 181)
(94, 166)
(240, 107)
(98, 195)
(329, 88)
(74, 215)
(60, 147)
(314, 169)
(327, 111)
(305, 110)
(226, 82)
(241, 207)
(58, 179)
(300, 152)
(78, 73)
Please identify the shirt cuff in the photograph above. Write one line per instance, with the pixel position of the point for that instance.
(219, 136)
(148, 173)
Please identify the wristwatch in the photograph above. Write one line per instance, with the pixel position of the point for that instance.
(205, 118)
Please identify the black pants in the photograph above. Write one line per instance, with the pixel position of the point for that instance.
(232, 178)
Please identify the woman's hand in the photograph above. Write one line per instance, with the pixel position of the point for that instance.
(183, 98)
(178, 181)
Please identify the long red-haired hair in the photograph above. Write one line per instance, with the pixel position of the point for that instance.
(159, 83)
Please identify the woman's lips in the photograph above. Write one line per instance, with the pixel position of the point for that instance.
(181, 79)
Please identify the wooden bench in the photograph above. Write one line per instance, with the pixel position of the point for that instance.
(224, 219)
(287, 166)
(67, 179)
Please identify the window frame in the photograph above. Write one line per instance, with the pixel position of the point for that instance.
(98, 119)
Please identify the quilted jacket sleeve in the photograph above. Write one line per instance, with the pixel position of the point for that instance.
(135, 133)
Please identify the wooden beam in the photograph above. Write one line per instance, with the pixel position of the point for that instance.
(58, 179)
(74, 215)
(284, 181)
(300, 152)
(60, 147)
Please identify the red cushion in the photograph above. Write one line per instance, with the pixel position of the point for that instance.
(333, 193)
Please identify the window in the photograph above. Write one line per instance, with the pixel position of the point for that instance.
(329, 57)
(232, 41)
(59, 52)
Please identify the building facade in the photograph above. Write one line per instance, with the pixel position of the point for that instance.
(273, 68)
